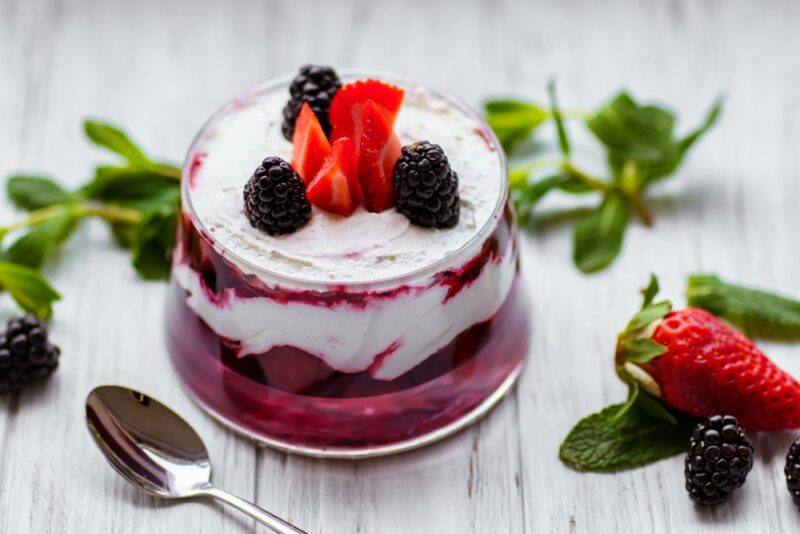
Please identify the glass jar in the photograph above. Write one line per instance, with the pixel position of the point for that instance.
(464, 321)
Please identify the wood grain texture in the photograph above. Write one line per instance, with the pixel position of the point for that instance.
(160, 68)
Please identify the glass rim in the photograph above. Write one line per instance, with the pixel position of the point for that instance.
(371, 284)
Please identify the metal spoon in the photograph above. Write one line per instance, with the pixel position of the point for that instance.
(154, 449)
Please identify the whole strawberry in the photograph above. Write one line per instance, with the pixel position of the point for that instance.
(699, 365)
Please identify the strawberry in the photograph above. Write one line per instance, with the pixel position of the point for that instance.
(700, 365)
(335, 188)
(310, 144)
(349, 102)
(379, 149)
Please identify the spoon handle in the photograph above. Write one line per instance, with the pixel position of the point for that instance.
(259, 514)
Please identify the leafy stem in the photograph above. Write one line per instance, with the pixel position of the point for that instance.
(640, 209)
(107, 212)
(641, 149)
(592, 183)
(137, 196)
(35, 217)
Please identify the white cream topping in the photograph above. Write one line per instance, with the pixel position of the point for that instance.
(365, 246)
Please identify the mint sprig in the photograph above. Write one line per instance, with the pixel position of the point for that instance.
(138, 197)
(758, 312)
(641, 147)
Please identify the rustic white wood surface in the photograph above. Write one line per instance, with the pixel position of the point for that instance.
(160, 68)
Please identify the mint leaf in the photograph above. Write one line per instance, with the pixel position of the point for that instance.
(31, 192)
(597, 443)
(641, 350)
(152, 243)
(632, 132)
(134, 188)
(513, 120)
(711, 117)
(756, 311)
(555, 111)
(36, 245)
(28, 288)
(113, 138)
(123, 234)
(643, 134)
(598, 236)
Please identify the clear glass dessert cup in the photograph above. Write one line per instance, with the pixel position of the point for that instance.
(470, 337)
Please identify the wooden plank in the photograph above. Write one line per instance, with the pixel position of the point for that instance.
(159, 69)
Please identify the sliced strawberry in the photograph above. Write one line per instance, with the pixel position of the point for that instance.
(347, 105)
(379, 150)
(310, 144)
(335, 188)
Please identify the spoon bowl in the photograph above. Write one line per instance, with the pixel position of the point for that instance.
(157, 451)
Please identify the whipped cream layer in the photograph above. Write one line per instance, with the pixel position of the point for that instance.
(365, 246)
(388, 337)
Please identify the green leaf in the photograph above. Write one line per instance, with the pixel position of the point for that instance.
(113, 138)
(598, 236)
(30, 192)
(134, 188)
(713, 114)
(574, 186)
(124, 234)
(153, 240)
(526, 195)
(641, 350)
(648, 314)
(758, 312)
(650, 292)
(513, 120)
(555, 111)
(643, 134)
(41, 240)
(597, 443)
(28, 288)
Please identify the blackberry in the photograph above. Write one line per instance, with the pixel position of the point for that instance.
(792, 471)
(425, 187)
(275, 199)
(316, 85)
(25, 353)
(720, 456)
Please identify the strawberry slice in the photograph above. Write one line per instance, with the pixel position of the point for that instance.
(335, 188)
(310, 144)
(378, 151)
(348, 104)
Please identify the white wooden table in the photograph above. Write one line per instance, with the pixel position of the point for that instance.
(159, 68)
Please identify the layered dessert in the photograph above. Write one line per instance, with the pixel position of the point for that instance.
(346, 280)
